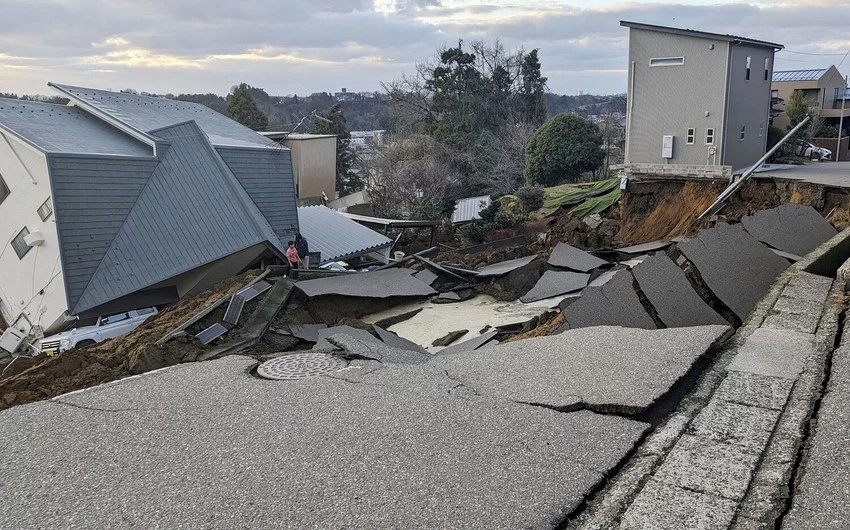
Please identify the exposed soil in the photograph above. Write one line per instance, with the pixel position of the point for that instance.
(657, 209)
(44, 377)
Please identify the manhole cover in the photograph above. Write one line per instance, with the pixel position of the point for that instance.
(300, 365)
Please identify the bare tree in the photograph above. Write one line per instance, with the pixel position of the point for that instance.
(412, 178)
(508, 158)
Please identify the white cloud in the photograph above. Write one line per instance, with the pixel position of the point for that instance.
(303, 46)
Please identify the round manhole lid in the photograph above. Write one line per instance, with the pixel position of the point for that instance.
(300, 365)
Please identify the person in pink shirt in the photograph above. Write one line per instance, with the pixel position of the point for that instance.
(293, 259)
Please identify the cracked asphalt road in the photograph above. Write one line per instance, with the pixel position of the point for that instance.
(375, 445)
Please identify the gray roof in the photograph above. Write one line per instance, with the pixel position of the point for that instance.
(469, 208)
(701, 34)
(63, 129)
(191, 212)
(267, 177)
(798, 75)
(336, 236)
(146, 113)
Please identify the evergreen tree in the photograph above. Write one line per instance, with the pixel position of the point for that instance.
(333, 122)
(242, 108)
(532, 94)
(562, 149)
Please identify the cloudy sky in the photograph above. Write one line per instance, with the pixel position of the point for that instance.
(305, 46)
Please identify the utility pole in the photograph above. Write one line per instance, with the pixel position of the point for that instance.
(841, 121)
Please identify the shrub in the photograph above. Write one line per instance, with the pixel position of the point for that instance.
(488, 214)
(531, 198)
(562, 149)
(472, 233)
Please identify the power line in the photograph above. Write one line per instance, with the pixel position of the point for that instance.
(811, 53)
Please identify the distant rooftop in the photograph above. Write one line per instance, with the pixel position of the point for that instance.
(701, 34)
(62, 129)
(146, 113)
(798, 75)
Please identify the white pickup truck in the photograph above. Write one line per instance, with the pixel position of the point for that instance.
(106, 328)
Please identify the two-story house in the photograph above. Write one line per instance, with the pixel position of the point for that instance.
(697, 98)
(824, 87)
(120, 201)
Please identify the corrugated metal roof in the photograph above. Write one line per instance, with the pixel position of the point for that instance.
(469, 208)
(146, 113)
(62, 129)
(336, 236)
(798, 75)
(191, 212)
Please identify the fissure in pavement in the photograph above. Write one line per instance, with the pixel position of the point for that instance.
(808, 431)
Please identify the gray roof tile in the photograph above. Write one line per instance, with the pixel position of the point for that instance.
(147, 113)
(63, 129)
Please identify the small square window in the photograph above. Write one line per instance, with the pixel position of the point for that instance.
(691, 134)
(45, 210)
(4, 190)
(761, 130)
(709, 136)
(20, 246)
(743, 131)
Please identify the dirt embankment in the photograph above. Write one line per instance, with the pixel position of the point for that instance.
(42, 377)
(654, 210)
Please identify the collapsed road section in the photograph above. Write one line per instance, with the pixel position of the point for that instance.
(501, 426)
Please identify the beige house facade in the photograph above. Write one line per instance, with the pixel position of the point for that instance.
(824, 87)
(313, 164)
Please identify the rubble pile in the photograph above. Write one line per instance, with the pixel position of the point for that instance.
(41, 377)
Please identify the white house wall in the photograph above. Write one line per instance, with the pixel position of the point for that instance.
(32, 290)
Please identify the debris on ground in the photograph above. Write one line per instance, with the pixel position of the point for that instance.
(130, 354)
(449, 337)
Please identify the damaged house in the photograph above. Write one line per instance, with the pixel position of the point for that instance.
(119, 201)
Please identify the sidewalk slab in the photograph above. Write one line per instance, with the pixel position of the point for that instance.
(706, 466)
(748, 427)
(755, 390)
(661, 506)
(774, 353)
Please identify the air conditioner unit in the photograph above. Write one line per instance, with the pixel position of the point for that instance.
(11, 340)
(34, 239)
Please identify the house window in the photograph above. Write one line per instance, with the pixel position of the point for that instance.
(761, 130)
(709, 136)
(774, 93)
(20, 246)
(45, 210)
(667, 61)
(743, 131)
(767, 68)
(749, 62)
(4, 190)
(691, 134)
